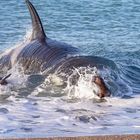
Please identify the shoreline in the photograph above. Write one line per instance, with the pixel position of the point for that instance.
(104, 137)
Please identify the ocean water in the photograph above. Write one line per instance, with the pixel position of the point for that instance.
(105, 28)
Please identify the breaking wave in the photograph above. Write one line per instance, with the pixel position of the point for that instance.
(122, 83)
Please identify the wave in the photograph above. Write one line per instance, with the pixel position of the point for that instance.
(122, 82)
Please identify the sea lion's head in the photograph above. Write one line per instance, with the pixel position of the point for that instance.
(103, 89)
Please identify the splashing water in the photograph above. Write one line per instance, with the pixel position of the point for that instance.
(80, 83)
(16, 81)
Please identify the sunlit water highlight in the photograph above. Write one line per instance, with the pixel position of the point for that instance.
(31, 106)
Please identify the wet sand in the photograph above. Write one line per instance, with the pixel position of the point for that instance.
(106, 137)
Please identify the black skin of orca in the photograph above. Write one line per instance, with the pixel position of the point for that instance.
(41, 53)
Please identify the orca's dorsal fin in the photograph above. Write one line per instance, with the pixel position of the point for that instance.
(38, 31)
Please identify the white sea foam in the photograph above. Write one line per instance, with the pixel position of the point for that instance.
(78, 85)
(16, 81)
(84, 87)
(17, 76)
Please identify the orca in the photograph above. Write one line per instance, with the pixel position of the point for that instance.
(41, 54)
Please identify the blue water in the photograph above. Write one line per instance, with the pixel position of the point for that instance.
(106, 28)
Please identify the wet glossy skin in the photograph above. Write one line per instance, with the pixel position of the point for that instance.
(104, 91)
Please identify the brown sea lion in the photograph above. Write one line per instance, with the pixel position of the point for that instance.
(104, 91)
